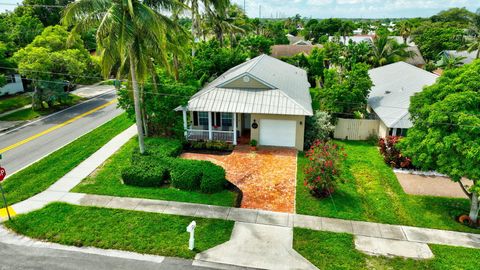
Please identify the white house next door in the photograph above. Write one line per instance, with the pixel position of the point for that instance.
(277, 132)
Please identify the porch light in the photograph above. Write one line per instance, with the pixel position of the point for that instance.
(254, 124)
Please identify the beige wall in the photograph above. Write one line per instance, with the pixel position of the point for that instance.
(299, 134)
(239, 83)
(382, 130)
(356, 129)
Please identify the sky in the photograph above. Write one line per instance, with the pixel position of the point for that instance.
(337, 8)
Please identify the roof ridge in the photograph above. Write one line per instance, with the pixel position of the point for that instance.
(257, 60)
(294, 101)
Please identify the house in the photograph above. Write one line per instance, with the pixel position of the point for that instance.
(389, 98)
(279, 51)
(263, 99)
(467, 57)
(354, 39)
(294, 39)
(14, 85)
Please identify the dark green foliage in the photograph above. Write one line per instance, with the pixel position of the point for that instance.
(317, 29)
(213, 179)
(187, 174)
(210, 145)
(257, 45)
(433, 38)
(145, 174)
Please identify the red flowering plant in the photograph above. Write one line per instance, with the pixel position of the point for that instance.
(392, 155)
(323, 168)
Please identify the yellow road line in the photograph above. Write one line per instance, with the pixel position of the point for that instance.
(4, 214)
(15, 145)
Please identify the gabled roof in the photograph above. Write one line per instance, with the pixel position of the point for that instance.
(285, 90)
(417, 59)
(279, 51)
(394, 85)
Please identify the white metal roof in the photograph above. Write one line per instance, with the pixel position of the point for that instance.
(394, 84)
(468, 57)
(287, 93)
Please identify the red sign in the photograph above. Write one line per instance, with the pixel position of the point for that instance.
(3, 173)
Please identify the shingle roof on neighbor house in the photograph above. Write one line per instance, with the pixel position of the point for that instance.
(279, 51)
(394, 84)
(263, 85)
(417, 59)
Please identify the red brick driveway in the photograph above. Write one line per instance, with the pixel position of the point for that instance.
(266, 177)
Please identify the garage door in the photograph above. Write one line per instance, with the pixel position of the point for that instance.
(277, 132)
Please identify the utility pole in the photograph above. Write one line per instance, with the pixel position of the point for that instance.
(244, 10)
(260, 11)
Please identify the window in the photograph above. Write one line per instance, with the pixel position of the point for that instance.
(227, 119)
(11, 78)
(203, 118)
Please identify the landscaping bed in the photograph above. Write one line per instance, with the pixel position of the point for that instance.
(372, 192)
(140, 232)
(328, 250)
(107, 180)
(40, 175)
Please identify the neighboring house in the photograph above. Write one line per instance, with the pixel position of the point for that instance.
(302, 42)
(399, 39)
(14, 85)
(417, 59)
(468, 57)
(264, 99)
(354, 39)
(279, 51)
(294, 39)
(389, 98)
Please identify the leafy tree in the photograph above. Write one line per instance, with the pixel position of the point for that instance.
(130, 35)
(446, 129)
(256, 45)
(474, 31)
(345, 93)
(52, 64)
(274, 30)
(405, 29)
(461, 16)
(449, 61)
(432, 39)
(49, 12)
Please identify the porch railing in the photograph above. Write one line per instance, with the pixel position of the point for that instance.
(217, 135)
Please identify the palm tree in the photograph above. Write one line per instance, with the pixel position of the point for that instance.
(405, 29)
(386, 50)
(221, 23)
(449, 61)
(130, 36)
(346, 29)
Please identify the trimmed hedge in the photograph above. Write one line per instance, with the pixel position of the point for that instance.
(186, 174)
(145, 174)
(213, 178)
(158, 166)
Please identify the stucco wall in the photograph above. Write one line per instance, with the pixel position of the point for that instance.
(382, 130)
(299, 133)
(241, 84)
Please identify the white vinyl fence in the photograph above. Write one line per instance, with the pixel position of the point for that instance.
(355, 129)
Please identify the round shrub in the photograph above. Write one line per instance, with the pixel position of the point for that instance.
(186, 174)
(213, 178)
(143, 175)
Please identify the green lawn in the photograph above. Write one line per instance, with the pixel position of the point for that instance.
(334, 251)
(29, 113)
(372, 193)
(120, 229)
(14, 102)
(107, 181)
(40, 175)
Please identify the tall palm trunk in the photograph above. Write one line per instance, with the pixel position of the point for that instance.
(194, 25)
(136, 102)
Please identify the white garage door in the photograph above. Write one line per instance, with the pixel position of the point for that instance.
(277, 132)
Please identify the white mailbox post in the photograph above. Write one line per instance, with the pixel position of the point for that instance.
(191, 230)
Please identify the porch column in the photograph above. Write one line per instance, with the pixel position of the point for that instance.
(185, 128)
(234, 129)
(210, 133)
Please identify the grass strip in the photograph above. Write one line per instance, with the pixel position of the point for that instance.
(328, 250)
(14, 102)
(40, 175)
(140, 232)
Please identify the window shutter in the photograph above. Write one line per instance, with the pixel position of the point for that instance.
(219, 122)
(195, 118)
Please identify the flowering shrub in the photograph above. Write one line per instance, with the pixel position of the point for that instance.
(392, 155)
(323, 168)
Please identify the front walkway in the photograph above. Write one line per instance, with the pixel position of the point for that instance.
(266, 176)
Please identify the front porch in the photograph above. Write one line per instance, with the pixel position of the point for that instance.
(217, 126)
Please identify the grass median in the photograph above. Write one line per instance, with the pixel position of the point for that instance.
(328, 250)
(14, 102)
(372, 192)
(40, 175)
(140, 232)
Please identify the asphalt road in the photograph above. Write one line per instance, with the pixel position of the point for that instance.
(23, 155)
(21, 257)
